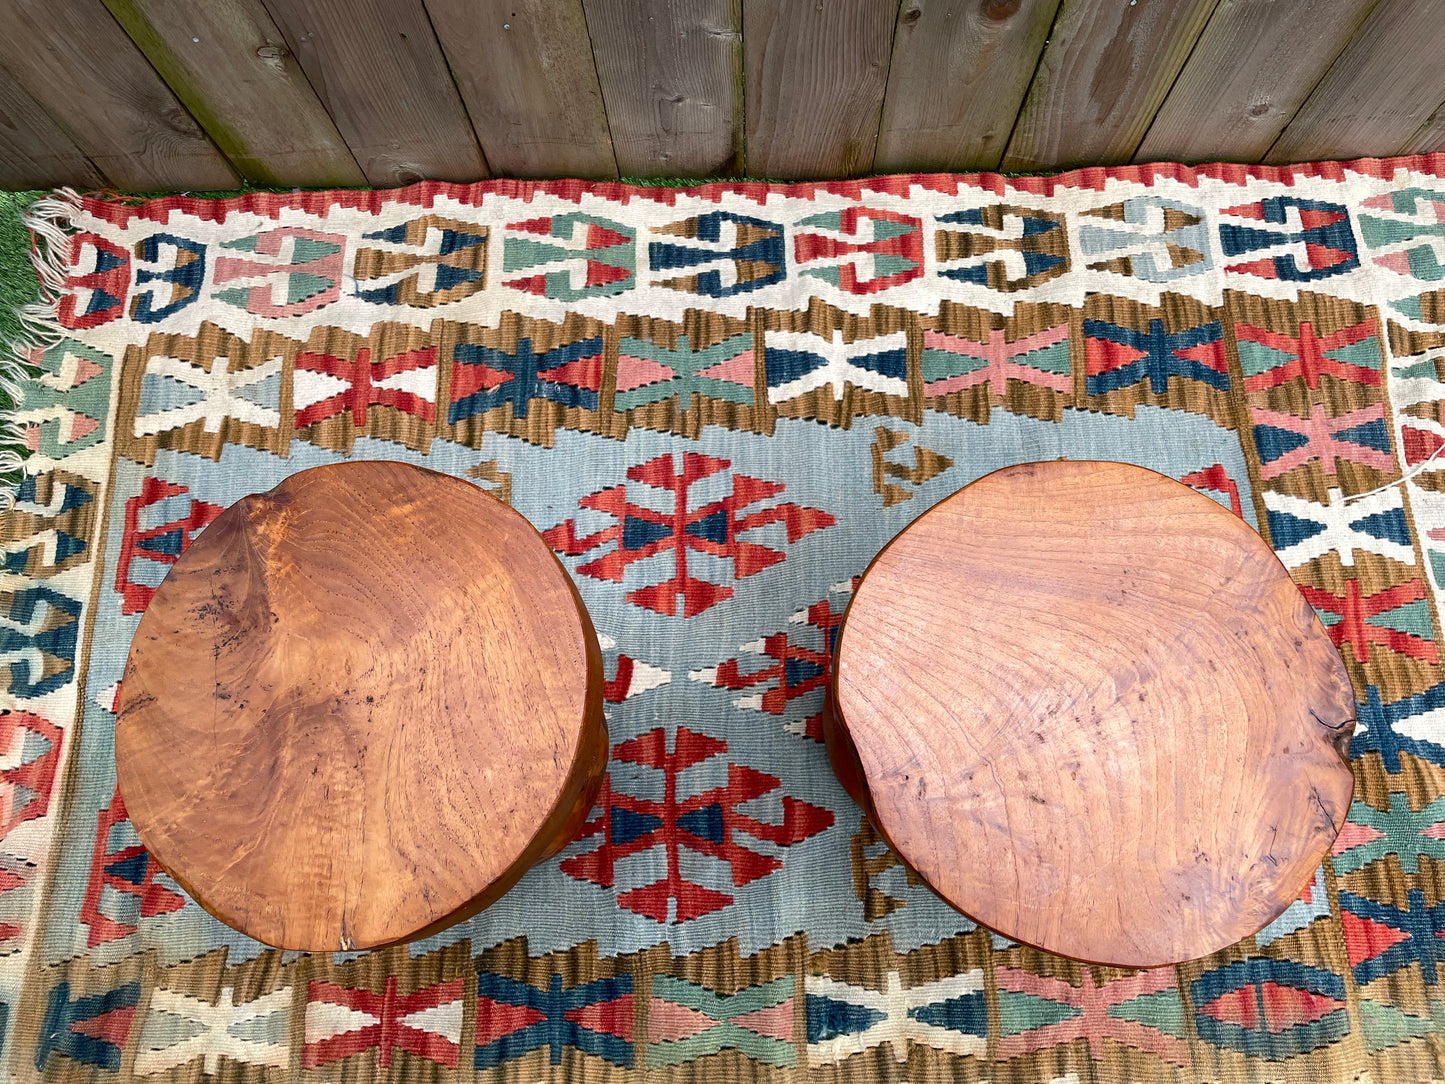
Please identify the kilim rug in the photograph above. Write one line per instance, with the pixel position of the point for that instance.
(717, 404)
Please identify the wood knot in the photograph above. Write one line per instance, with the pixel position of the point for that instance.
(272, 52)
(998, 10)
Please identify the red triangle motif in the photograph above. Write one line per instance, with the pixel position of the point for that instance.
(582, 373)
(533, 225)
(496, 1019)
(536, 284)
(607, 1017)
(1325, 255)
(1419, 444)
(81, 425)
(1262, 268)
(1365, 938)
(738, 370)
(112, 1027)
(1210, 355)
(1355, 835)
(1236, 1007)
(602, 237)
(1287, 1006)
(775, 1022)
(669, 1022)
(1246, 210)
(633, 372)
(1312, 219)
(468, 379)
(1101, 355)
(1399, 262)
(84, 370)
(600, 274)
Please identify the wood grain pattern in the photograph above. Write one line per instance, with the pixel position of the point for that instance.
(1088, 706)
(958, 76)
(229, 65)
(34, 152)
(359, 707)
(525, 70)
(815, 76)
(1378, 93)
(1103, 76)
(376, 66)
(1431, 136)
(79, 66)
(1252, 68)
(671, 78)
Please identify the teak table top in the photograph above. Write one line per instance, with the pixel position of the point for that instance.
(1088, 706)
(359, 707)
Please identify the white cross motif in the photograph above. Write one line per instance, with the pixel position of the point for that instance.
(838, 367)
(216, 1031)
(1340, 522)
(896, 1027)
(220, 389)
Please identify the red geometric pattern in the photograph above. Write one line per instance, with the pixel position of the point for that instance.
(1355, 609)
(1270, 1006)
(1217, 479)
(388, 1022)
(163, 543)
(1309, 360)
(714, 529)
(708, 823)
(27, 776)
(365, 379)
(128, 870)
(794, 669)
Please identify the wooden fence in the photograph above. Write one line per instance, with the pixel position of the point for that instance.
(201, 94)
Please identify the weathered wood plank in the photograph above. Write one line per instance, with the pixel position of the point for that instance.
(525, 70)
(1431, 136)
(1106, 69)
(229, 65)
(1252, 68)
(958, 76)
(376, 66)
(34, 153)
(1377, 94)
(671, 78)
(75, 61)
(815, 75)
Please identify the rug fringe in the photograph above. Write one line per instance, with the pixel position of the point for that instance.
(51, 222)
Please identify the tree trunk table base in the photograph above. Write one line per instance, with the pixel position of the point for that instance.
(1087, 705)
(359, 707)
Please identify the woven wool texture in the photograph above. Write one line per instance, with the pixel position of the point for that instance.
(718, 404)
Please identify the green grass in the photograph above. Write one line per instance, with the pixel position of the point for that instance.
(18, 284)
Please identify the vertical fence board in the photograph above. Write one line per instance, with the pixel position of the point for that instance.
(671, 78)
(815, 74)
(1378, 93)
(1107, 68)
(34, 153)
(1249, 73)
(229, 65)
(75, 61)
(376, 66)
(526, 73)
(958, 76)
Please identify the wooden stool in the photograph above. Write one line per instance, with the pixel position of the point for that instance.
(1087, 705)
(359, 708)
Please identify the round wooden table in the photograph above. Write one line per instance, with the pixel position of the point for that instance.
(359, 707)
(1088, 706)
